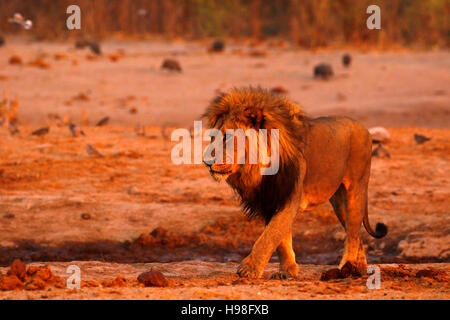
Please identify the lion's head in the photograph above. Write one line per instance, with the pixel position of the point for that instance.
(255, 108)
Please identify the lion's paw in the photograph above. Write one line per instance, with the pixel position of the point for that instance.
(279, 275)
(248, 270)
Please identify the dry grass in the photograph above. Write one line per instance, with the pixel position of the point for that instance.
(309, 23)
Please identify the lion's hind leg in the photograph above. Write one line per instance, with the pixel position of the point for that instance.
(286, 254)
(356, 206)
(339, 204)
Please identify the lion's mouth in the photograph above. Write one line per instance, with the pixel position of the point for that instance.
(222, 173)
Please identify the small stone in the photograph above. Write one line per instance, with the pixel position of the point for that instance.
(18, 269)
(86, 216)
(153, 278)
(171, 65)
(217, 46)
(323, 71)
(347, 60)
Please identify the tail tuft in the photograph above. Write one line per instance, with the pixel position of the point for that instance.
(381, 230)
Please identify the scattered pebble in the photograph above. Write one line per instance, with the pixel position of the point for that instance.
(323, 71)
(153, 278)
(15, 60)
(59, 56)
(114, 57)
(171, 65)
(217, 46)
(32, 278)
(86, 216)
(257, 53)
(81, 97)
(9, 215)
(347, 60)
(39, 63)
(279, 90)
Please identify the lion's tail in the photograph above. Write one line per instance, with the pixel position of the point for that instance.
(381, 229)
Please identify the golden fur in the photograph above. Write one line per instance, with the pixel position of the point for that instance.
(324, 159)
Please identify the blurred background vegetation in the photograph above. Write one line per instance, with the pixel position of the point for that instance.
(307, 23)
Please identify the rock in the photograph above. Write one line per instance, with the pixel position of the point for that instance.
(153, 278)
(86, 216)
(171, 65)
(279, 90)
(9, 215)
(39, 63)
(120, 281)
(379, 134)
(8, 283)
(323, 71)
(15, 60)
(347, 60)
(217, 46)
(18, 269)
(257, 53)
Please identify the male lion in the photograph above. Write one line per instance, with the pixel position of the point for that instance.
(323, 159)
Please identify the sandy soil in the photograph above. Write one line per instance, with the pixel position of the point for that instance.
(132, 209)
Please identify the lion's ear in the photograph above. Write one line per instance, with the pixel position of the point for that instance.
(254, 117)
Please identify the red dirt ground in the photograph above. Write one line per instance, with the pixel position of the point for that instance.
(120, 215)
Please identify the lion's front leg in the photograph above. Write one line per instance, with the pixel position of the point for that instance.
(277, 229)
(286, 254)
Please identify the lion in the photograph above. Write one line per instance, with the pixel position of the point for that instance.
(320, 160)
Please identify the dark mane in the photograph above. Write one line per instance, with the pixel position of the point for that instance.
(264, 196)
(271, 195)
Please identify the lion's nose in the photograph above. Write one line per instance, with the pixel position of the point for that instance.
(209, 158)
(209, 162)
